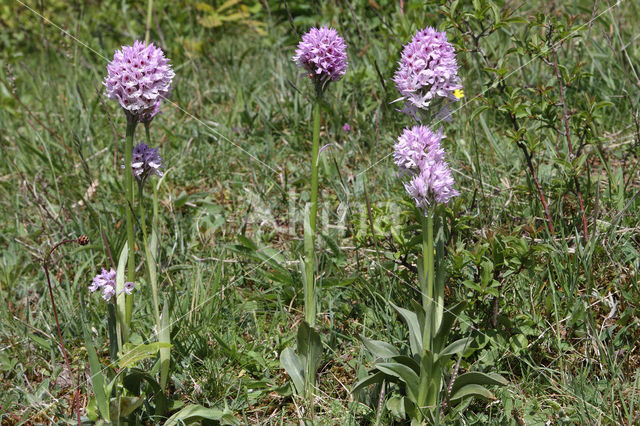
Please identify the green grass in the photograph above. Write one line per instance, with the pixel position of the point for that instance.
(236, 146)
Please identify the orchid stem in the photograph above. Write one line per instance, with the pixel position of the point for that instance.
(310, 296)
(128, 183)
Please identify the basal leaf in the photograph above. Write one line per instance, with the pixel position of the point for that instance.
(405, 374)
(196, 413)
(477, 378)
(471, 391)
(380, 349)
(415, 334)
(290, 361)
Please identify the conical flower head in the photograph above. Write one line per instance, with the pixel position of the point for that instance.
(145, 161)
(427, 70)
(139, 78)
(414, 145)
(432, 185)
(323, 53)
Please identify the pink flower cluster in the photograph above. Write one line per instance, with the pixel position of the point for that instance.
(323, 53)
(106, 282)
(145, 161)
(427, 70)
(139, 78)
(415, 146)
(419, 153)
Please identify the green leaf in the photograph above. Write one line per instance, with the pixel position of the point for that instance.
(380, 349)
(448, 318)
(415, 334)
(290, 361)
(127, 405)
(121, 302)
(477, 378)
(309, 349)
(408, 361)
(378, 377)
(164, 337)
(405, 374)
(456, 347)
(131, 354)
(395, 405)
(471, 391)
(196, 413)
(133, 382)
(97, 379)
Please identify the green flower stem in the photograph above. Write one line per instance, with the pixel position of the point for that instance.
(310, 294)
(426, 285)
(426, 392)
(128, 186)
(148, 26)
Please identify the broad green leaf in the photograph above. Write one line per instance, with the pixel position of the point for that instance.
(405, 374)
(470, 391)
(97, 379)
(380, 349)
(408, 361)
(196, 413)
(395, 405)
(290, 361)
(378, 377)
(132, 354)
(309, 350)
(415, 334)
(456, 347)
(477, 378)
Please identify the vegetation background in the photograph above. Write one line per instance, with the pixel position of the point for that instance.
(554, 312)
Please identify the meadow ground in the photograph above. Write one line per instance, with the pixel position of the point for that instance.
(554, 312)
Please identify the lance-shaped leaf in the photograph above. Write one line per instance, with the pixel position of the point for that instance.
(309, 349)
(415, 333)
(471, 391)
(164, 336)
(405, 374)
(378, 377)
(290, 361)
(408, 361)
(448, 319)
(380, 349)
(477, 378)
(132, 354)
(121, 303)
(456, 347)
(196, 413)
